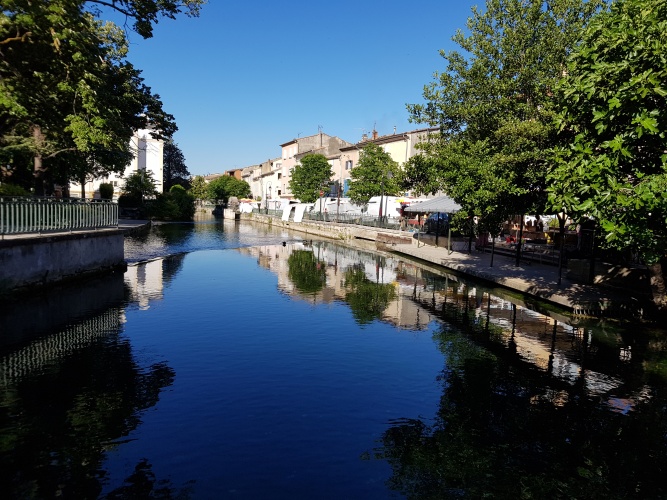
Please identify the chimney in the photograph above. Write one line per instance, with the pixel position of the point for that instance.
(364, 137)
(375, 134)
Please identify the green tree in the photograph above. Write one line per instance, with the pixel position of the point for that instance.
(12, 190)
(174, 170)
(140, 183)
(614, 114)
(225, 186)
(177, 204)
(199, 188)
(67, 89)
(146, 13)
(376, 173)
(309, 177)
(495, 106)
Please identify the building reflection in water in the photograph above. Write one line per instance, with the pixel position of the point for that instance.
(337, 262)
(550, 341)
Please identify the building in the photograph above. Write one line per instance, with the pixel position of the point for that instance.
(401, 147)
(148, 158)
(294, 150)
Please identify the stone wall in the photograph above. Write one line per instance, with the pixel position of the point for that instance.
(341, 232)
(42, 260)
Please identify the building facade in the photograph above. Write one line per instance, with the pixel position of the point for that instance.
(269, 180)
(148, 157)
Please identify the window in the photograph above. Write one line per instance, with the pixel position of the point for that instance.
(279, 191)
(348, 165)
(279, 175)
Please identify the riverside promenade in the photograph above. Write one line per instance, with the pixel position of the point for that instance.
(534, 279)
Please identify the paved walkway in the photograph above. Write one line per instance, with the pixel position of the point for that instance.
(539, 280)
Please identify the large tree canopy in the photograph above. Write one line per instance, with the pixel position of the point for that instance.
(309, 177)
(494, 105)
(66, 89)
(615, 112)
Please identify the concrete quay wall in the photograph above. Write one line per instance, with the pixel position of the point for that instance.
(341, 232)
(47, 259)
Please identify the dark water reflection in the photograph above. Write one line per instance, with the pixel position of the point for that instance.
(242, 367)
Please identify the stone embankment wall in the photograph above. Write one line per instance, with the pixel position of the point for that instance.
(42, 260)
(342, 232)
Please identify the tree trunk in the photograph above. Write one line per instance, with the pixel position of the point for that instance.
(518, 241)
(82, 180)
(38, 170)
(561, 231)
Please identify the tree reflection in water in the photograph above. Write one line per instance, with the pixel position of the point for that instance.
(508, 430)
(367, 300)
(306, 272)
(67, 399)
(143, 484)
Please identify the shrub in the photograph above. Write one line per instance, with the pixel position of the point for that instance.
(106, 191)
(12, 190)
(129, 200)
(178, 204)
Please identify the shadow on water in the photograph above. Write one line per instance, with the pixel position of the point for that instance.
(44, 311)
(533, 408)
(72, 390)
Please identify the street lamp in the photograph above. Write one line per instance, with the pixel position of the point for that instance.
(383, 198)
(267, 194)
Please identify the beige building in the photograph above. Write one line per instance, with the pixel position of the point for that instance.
(269, 180)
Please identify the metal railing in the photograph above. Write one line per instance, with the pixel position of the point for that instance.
(356, 218)
(22, 215)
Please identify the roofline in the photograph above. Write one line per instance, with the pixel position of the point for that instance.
(304, 137)
(383, 139)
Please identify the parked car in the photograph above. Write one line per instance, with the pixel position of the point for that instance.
(431, 223)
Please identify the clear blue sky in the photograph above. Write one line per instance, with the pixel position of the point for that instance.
(247, 76)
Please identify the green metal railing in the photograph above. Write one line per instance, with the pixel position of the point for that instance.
(20, 215)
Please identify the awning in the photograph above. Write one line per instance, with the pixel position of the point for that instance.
(440, 204)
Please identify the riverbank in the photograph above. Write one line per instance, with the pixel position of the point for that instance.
(29, 261)
(534, 279)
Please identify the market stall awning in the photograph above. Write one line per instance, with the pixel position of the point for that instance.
(440, 204)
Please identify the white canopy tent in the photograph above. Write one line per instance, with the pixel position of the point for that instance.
(443, 204)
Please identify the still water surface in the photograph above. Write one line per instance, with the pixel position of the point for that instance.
(239, 361)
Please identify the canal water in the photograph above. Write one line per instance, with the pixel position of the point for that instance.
(235, 360)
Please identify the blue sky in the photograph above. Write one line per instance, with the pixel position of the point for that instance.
(245, 77)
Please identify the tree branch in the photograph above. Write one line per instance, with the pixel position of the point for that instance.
(112, 5)
(16, 38)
